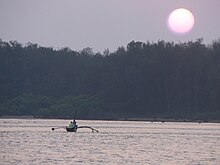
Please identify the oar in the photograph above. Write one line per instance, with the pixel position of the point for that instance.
(58, 128)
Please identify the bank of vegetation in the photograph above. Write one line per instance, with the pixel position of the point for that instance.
(141, 80)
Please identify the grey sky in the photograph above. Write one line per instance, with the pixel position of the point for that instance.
(102, 24)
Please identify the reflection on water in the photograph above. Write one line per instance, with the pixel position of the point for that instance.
(118, 142)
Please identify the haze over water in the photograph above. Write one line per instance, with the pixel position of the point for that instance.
(30, 141)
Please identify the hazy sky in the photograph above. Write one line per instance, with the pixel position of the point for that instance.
(102, 24)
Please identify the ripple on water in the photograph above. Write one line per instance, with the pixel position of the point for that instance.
(33, 142)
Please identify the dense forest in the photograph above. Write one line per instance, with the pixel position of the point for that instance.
(142, 80)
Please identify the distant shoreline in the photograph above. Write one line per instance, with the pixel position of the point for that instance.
(18, 117)
(121, 119)
(171, 120)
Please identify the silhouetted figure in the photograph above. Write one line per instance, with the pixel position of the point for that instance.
(74, 121)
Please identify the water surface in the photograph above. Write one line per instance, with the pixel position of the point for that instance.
(31, 141)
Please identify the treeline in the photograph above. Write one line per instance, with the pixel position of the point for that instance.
(145, 80)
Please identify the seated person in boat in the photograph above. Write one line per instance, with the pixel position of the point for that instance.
(72, 124)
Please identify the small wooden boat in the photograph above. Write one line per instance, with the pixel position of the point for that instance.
(73, 129)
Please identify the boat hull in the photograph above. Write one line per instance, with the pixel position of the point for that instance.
(71, 129)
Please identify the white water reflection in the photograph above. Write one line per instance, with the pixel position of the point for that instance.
(118, 142)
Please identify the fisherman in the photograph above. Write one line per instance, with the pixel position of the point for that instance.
(71, 125)
(74, 123)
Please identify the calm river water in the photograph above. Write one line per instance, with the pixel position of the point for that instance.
(31, 141)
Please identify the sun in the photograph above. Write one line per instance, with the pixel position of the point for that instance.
(181, 21)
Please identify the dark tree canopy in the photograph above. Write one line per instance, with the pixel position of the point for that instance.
(162, 79)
